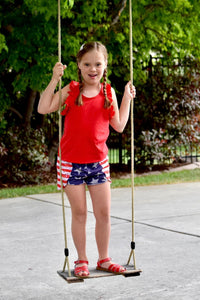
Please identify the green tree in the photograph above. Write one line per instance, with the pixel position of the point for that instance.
(28, 40)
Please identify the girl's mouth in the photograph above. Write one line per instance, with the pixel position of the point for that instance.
(92, 75)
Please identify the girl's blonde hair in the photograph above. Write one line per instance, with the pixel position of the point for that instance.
(83, 50)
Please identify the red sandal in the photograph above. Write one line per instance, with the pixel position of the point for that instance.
(78, 270)
(113, 268)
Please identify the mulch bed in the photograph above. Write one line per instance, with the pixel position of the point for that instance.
(38, 176)
(41, 176)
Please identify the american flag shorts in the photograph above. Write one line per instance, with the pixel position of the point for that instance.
(90, 174)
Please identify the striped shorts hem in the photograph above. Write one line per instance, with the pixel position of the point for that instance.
(90, 174)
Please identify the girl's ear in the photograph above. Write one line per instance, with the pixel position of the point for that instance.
(79, 64)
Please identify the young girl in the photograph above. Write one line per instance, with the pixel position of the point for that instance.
(90, 106)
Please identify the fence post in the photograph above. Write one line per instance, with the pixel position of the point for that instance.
(120, 150)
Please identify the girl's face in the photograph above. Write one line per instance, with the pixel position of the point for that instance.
(92, 66)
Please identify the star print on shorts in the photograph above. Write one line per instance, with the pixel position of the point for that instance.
(90, 174)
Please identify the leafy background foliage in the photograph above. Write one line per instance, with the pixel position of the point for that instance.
(167, 106)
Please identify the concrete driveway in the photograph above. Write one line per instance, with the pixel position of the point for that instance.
(167, 236)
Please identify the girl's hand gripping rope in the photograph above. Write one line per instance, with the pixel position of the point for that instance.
(58, 71)
(130, 91)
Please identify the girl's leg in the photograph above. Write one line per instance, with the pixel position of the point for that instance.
(76, 195)
(101, 200)
(100, 195)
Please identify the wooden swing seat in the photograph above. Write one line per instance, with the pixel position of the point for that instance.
(130, 272)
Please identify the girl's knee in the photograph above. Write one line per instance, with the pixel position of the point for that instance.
(80, 215)
(102, 217)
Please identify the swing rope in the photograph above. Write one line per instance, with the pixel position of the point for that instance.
(132, 135)
(60, 135)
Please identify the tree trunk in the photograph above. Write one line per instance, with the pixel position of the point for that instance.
(29, 109)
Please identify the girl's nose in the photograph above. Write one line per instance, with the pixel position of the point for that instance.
(93, 68)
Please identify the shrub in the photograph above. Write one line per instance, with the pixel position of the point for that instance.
(167, 113)
(21, 151)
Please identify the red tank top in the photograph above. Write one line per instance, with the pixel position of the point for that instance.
(86, 127)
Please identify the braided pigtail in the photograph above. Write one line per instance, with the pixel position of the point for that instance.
(106, 102)
(79, 100)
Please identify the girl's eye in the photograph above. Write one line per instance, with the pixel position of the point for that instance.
(99, 64)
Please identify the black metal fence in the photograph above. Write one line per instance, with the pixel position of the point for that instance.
(120, 145)
(120, 158)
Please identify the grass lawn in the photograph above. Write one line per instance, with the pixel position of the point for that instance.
(157, 179)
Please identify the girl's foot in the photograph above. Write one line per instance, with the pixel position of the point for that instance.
(107, 266)
(81, 269)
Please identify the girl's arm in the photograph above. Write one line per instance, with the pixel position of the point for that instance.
(49, 102)
(119, 121)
